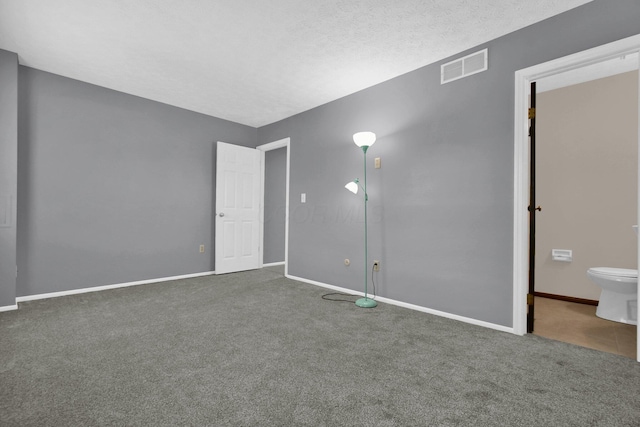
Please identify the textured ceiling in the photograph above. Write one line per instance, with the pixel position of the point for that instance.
(252, 61)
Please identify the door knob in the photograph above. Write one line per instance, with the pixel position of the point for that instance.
(221, 214)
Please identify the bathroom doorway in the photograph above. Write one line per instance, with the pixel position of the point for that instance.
(587, 169)
(523, 77)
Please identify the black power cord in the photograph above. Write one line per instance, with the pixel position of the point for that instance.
(338, 300)
(373, 282)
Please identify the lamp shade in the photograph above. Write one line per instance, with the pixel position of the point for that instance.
(352, 186)
(364, 139)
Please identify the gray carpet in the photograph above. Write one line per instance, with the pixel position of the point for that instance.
(256, 349)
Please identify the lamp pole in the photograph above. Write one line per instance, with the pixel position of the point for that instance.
(365, 302)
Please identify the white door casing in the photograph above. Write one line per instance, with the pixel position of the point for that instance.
(521, 160)
(281, 143)
(237, 225)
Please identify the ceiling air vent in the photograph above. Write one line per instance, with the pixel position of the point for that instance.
(463, 67)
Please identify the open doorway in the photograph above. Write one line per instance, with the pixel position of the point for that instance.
(586, 183)
(523, 78)
(274, 227)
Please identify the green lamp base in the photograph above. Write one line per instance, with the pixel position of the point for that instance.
(366, 303)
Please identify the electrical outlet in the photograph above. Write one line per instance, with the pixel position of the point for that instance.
(376, 265)
(201, 249)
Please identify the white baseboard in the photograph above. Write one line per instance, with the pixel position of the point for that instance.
(273, 264)
(9, 308)
(325, 285)
(410, 306)
(448, 315)
(107, 287)
(299, 279)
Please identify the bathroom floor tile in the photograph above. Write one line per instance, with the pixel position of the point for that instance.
(627, 349)
(578, 324)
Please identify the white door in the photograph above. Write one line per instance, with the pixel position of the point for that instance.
(237, 208)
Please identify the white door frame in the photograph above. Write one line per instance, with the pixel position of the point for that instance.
(523, 78)
(264, 148)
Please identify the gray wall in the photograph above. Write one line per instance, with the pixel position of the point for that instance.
(442, 204)
(112, 188)
(8, 175)
(274, 204)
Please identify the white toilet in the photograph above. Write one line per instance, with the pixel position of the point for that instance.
(619, 296)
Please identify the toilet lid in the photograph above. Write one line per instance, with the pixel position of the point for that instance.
(618, 272)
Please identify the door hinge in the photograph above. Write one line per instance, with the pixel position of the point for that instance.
(529, 299)
(532, 113)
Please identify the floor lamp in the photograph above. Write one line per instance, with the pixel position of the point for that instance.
(363, 140)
